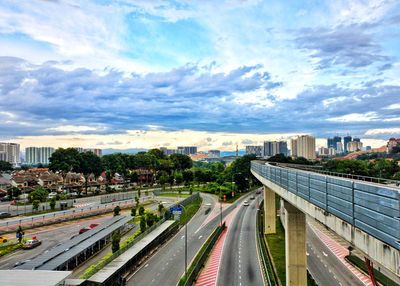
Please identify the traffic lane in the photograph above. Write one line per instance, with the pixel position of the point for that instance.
(250, 265)
(333, 266)
(318, 270)
(54, 236)
(167, 265)
(239, 264)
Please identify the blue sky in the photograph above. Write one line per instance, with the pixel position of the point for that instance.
(211, 73)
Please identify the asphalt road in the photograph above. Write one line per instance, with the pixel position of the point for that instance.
(167, 265)
(59, 233)
(325, 266)
(240, 264)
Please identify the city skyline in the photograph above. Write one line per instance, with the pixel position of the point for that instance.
(117, 72)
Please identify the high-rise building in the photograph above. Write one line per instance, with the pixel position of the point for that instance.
(38, 155)
(305, 147)
(356, 139)
(339, 147)
(256, 150)
(293, 147)
(167, 151)
(271, 148)
(187, 150)
(9, 152)
(346, 140)
(98, 152)
(332, 142)
(354, 146)
(214, 153)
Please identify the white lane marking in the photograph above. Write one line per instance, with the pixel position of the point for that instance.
(182, 237)
(200, 236)
(308, 254)
(146, 265)
(324, 253)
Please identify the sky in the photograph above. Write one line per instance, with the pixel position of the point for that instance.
(142, 74)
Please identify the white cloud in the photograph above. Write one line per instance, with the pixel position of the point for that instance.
(74, 128)
(380, 131)
(356, 117)
(393, 106)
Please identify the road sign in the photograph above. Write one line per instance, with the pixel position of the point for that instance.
(176, 210)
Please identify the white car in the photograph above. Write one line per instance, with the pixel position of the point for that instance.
(246, 203)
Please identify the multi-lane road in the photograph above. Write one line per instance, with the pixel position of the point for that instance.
(240, 264)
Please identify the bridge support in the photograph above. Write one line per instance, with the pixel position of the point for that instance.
(270, 211)
(295, 246)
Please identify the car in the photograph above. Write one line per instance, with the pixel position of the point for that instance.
(246, 203)
(258, 192)
(4, 215)
(3, 239)
(52, 195)
(32, 243)
(252, 197)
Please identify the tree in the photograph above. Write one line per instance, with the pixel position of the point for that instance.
(181, 162)
(13, 192)
(137, 201)
(35, 205)
(64, 161)
(5, 166)
(163, 178)
(157, 153)
(178, 178)
(133, 212)
(150, 219)
(141, 210)
(115, 240)
(20, 234)
(142, 224)
(53, 204)
(160, 208)
(138, 193)
(39, 194)
(89, 163)
(187, 176)
(117, 210)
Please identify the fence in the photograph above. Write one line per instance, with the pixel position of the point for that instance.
(201, 257)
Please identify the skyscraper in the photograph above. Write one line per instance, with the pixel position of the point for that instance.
(305, 146)
(38, 155)
(293, 147)
(346, 140)
(256, 150)
(187, 150)
(271, 148)
(9, 152)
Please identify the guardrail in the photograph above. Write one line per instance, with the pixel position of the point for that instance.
(201, 257)
(270, 275)
(371, 208)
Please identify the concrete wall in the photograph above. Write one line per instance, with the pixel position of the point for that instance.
(378, 251)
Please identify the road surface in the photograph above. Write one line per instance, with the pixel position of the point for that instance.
(240, 264)
(325, 267)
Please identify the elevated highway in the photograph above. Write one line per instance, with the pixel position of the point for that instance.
(365, 214)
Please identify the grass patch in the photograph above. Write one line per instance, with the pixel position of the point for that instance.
(191, 210)
(11, 246)
(276, 244)
(379, 276)
(174, 195)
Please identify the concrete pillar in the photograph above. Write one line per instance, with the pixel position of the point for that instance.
(269, 211)
(295, 246)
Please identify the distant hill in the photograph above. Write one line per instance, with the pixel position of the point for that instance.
(126, 151)
(232, 153)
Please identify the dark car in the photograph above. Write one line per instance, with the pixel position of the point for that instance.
(32, 243)
(4, 215)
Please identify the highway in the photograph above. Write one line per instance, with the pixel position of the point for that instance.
(325, 267)
(167, 265)
(59, 233)
(240, 264)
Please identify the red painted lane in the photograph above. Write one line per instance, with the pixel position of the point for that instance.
(209, 275)
(341, 252)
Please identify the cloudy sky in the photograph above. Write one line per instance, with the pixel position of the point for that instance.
(138, 73)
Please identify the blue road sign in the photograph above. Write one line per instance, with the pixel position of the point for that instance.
(176, 210)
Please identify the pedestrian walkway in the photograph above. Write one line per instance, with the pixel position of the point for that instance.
(341, 252)
(209, 274)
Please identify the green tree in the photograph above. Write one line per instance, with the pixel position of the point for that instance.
(20, 234)
(142, 224)
(163, 178)
(187, 176)
(13, 192)
(137, 201)
(115, 240)
(138, 193)
(160, 208)
(52, 204)
(141, 210)
(117, 210)
(178, 178)
(157, 153)
(39, 194)
(133, 212)
(89, 163)
(181, 162)
(5, 166)
(64, 161)
(35, 205)
(150, 219)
